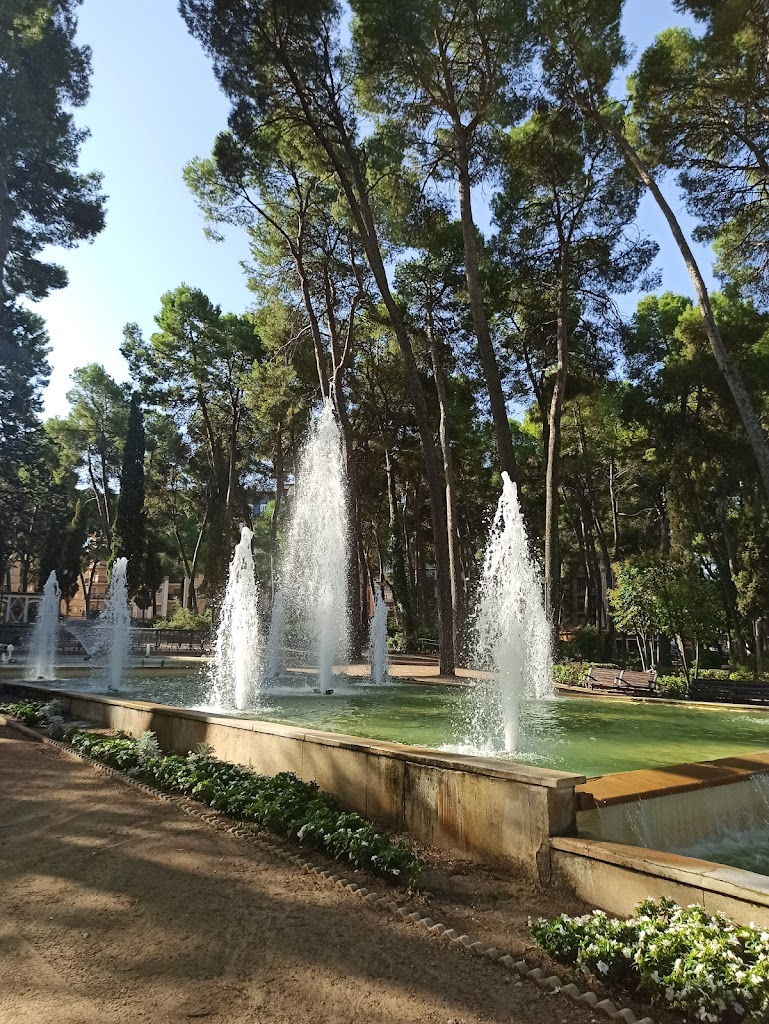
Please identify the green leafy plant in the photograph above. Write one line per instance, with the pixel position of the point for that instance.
(29, 712)
(672, 686)
(147, 748)
(281, 803)
(681, 956)
(570, 673)
(183, 618)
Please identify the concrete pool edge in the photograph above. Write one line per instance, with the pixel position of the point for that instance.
(616, 876)
(476, 808)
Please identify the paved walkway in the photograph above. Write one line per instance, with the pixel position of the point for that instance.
(116, 908)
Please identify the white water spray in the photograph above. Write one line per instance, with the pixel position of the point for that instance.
(378, 654)
(116, 617)
(313, 577)
(46, 629)
(237, 655)
(511, 631)
(274, 655)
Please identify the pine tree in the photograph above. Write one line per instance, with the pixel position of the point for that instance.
(70, 564)
(128, 534)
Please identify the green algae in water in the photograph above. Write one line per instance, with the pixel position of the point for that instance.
(587, 735)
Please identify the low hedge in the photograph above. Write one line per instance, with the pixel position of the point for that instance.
(572, 673)
(672, 686)
(282, 803)
(682, 957)
(738, 672)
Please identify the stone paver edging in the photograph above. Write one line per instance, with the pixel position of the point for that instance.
(552, 983)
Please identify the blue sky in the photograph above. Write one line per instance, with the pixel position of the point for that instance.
(154, 105)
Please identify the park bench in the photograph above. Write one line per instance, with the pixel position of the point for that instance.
(730, 691)
(625, 681)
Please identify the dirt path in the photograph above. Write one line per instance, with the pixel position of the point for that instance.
(115, 908)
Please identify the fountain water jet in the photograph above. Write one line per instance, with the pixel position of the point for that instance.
(46, 629)
(313, 576)
(274, 658)
(116, 617)
(236, 669)
(378, 654)
(511, 636)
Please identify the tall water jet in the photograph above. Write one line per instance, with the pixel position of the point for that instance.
(314, 568)
(237, 652)
(511, 635)
(379, 656)
(43, 643)
(116, 617)
(274, 655)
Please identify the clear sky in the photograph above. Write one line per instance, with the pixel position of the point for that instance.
(154, 105)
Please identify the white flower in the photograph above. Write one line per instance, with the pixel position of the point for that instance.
(602, 967)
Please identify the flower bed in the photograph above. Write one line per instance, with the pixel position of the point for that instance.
(683, 957)
(282, 804)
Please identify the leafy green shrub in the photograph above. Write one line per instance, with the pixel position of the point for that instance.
(741, 672)
(684, 957)
(30, 712)
(672, 686)
(570, 673)
(744, 672)
(586, 644)
(183, 618)
(281, 803)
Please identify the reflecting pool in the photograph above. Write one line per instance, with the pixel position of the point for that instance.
(588, 735)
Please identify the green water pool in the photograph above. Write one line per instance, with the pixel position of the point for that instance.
(588, 735)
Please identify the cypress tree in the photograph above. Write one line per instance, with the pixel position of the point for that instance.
(128, 533)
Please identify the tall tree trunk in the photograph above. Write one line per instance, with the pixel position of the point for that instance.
(614, 499)
(586, 515)
(597, 528)
(409, 549)
(105, 492)
(392, 506)
(452, 517)
(725, 580)
(194, 565)
(662, 504)
(420, 558)
(729, 369)
(86, 597)
(552, 492)
(354, 579)
(275, 519)
(345, 160)
(502, 432)
(232, 467)
(365, 587)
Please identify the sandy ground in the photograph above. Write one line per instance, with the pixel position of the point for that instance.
(117, 908)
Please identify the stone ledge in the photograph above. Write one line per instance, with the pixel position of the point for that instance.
(709, 876)
(513, 772)
(646, 783)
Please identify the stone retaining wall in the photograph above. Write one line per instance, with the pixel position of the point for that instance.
(475, 808)
(616, 877)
